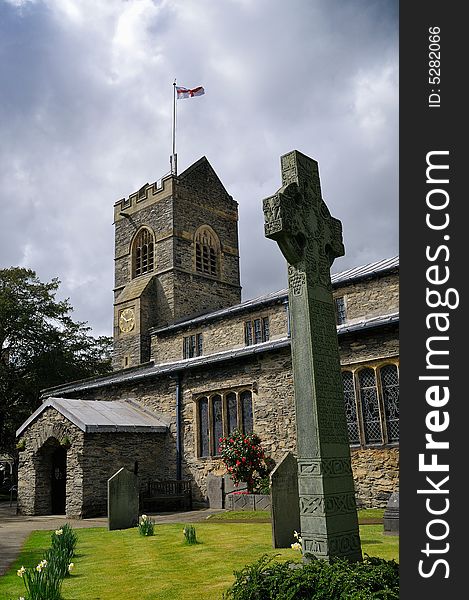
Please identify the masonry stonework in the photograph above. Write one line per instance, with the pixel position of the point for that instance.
(175, 300)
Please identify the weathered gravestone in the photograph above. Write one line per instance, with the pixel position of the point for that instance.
(122, 500)
(391, 515)
(215, 491)
(297, 218)
(285, 502)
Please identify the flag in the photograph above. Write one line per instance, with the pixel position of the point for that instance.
(183, 92)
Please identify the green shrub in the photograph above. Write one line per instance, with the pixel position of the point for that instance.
(372, 579)
(146, 526)
(190, 534)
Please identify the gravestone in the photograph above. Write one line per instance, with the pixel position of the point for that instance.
(391, 515)
(122, 500)
(215, 491)
(297, 218)
(285, 502)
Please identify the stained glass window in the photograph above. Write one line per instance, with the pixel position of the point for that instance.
(203, 427)
(390, 387)
(350, 407)
(217, 422)
(232, 411)
(370, 406)
(246, 411)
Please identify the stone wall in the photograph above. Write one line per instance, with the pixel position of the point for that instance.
(270, 378)
(376, 475)
(369, 345)
(218, 335)
(105, 453)
(370, 297)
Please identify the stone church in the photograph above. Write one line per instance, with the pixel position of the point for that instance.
(192, 362)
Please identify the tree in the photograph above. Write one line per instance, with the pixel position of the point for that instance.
(40, 347)
(244, 458)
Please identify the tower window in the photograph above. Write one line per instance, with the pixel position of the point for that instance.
(207, 250)
(143, 253)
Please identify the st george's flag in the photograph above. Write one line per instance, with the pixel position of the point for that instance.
(183, 92)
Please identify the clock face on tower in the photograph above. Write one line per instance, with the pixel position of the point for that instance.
(127, 320)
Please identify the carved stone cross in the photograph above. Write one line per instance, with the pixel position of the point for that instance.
(297, 218)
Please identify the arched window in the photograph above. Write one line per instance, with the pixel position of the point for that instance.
(143, 253)
(370, 406)
(246, 411)
(203, 427)
(217, 423)
(390, 387)
(207, 251)
(350, 407)
(232, 411)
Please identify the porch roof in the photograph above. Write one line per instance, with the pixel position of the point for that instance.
(102, 416)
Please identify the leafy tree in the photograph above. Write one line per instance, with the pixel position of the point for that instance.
(40, 347)
(244, 459)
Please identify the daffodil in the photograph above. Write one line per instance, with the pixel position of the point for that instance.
(296, 546)
(70, 567)
(20, 572)
(58, 532)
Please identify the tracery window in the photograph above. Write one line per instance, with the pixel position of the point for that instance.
(220, 413)
(143, 253)
(390, 387)
(373, 416)
(203, 427)
(350, 407)
(207, 251)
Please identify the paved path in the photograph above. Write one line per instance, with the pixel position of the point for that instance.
(14, 529)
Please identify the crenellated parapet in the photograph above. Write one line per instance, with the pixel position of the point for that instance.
(146, 195)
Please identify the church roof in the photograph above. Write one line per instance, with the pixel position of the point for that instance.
(100, 416)
(380, 267)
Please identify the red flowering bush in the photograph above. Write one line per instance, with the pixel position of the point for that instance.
(244, 458)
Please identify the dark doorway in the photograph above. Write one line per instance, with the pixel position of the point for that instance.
(58, 480)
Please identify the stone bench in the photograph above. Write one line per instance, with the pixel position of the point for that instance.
(167, 495)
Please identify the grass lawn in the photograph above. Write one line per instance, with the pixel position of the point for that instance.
(263, 516)
(122, 565)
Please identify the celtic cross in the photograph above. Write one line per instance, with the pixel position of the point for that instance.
(297, 218)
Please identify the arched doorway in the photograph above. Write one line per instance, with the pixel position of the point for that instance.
(58, 480)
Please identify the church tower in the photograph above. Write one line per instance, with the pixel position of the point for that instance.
(176, 257)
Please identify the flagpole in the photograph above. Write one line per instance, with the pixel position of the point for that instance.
(173, 159)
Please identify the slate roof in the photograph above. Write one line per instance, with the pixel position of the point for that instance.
(99, 416)
(369, 270)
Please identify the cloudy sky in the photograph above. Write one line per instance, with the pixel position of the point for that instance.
(85, 119)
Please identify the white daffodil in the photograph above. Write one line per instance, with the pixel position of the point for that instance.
(296, 546)
(20, 572)
(70, 567)
(58, 532)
